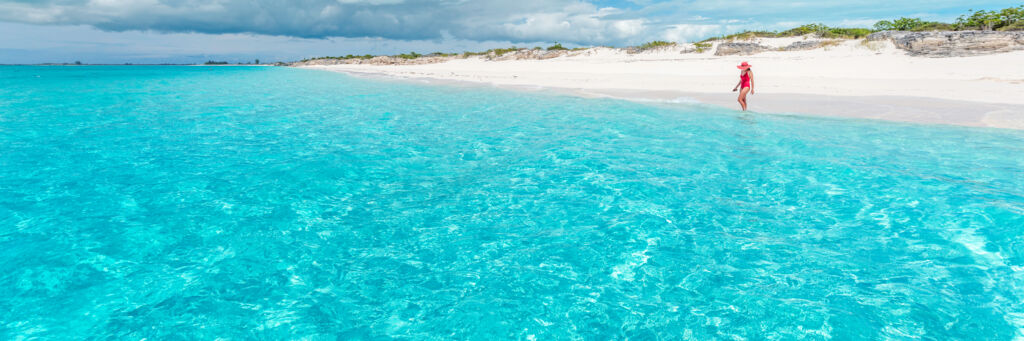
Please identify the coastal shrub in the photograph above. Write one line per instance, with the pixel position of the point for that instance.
(497, 52)
(911, 24)
(410, 55)
(990, 20)
(804, 30)
(368, 56)
(826, 32)
(846, 33)
(654, 44)
(557, 47)
(934, 26)
(500, 52)
(750, 35)
(745, 35)
(901, 24)
(1017, 26)
(702, 46)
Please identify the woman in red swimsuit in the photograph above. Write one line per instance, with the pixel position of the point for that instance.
(746, 82)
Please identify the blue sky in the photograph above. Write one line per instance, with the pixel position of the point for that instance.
(185, 31)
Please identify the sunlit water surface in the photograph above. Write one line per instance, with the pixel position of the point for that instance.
(277, 203)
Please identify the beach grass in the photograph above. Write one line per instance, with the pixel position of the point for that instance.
(557, 47)
(702, 46)
(654, 44)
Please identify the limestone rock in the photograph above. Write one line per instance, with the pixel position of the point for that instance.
(953, 43)
(804, 45)
(729, 49)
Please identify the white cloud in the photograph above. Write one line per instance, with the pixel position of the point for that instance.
(689, 32)
(579, 22)
(525, 20)
(371, 2)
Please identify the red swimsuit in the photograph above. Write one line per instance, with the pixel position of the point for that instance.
(745, 80)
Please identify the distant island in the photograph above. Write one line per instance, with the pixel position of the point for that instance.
(214, 62)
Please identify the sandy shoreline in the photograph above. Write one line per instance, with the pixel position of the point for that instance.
(854, 79)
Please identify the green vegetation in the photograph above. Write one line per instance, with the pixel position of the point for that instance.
(211, 62)
(848, 33)
(1007, 19)
(1017, 26)
(557, 47)
(934, 26)
(496, 52)
(654, 44)
(826, 31)
(819, 29)
(501, 52)
(702, 46)
(745, 35)
(442, 54)
(410, 55)
(910, 24)
(805, 29)
(368, 56)
(751, 35)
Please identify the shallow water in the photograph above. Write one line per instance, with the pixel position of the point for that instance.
(274, 203)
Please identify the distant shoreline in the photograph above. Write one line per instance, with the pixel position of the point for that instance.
(904, 109)
(133, 64)
(849, 78)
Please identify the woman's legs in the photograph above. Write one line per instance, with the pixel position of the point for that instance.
(743, 98)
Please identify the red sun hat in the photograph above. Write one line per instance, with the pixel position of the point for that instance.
(743, 66)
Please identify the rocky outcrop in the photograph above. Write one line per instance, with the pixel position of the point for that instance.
(953, 43)
(806, 45)
(660, 48)
(522, 54)
(527, 54)
(378, 60)
(729, 49)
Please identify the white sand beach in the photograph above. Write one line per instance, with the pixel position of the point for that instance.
(854, 78)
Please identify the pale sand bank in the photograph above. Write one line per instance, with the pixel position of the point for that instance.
(854, 79)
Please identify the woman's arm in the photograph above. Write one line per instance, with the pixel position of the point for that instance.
(737, 85)
(751, 74)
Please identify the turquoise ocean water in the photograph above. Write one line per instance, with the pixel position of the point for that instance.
(273, 203)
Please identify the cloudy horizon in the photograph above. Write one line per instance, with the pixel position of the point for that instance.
(189, 31)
